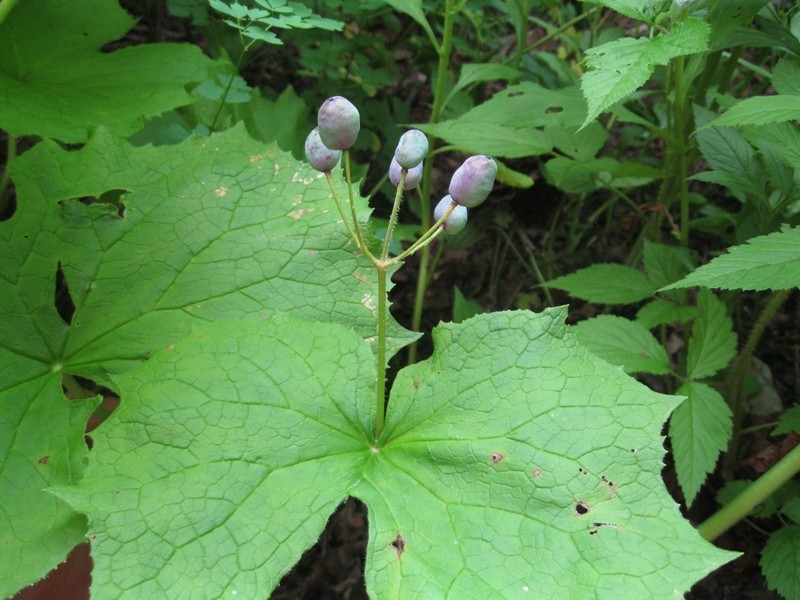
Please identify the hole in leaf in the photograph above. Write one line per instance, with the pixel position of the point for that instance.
(581, 508)
(583, 471)
(515, 94)
(334, 566)
(63, 299)
(592, 531)
(554, 109)
(111, 198)
(496, 457)
(399, 544)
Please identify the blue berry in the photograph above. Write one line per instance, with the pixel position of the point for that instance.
(319, 155)
(457, 219)
(411, 149)
(412, 176)
(339, 123)
(472, 181)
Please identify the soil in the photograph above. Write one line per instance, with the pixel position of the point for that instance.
(492, 272)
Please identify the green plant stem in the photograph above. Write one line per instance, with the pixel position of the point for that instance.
(11, 153)
(245, 48)
(755, 494)
(558, 31)
(679, 134)
(398, 198)
(737, 375)
(5, 7)
(74, 389)
(356, 227)
(339, 207)
(444, 50)
(380, 384)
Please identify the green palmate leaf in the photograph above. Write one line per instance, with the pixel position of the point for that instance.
(700, 428)
(606, 284)
(211, 228)
(760, 111)
(618, 68)
(713, 342)
(623, 342)
(780, 559)
(767, 262)
(513, 123)
(230, 451)
(64, 93)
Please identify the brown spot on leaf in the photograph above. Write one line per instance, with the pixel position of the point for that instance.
(581, 508)
(44, 459)
(496, 457)
(399, 544)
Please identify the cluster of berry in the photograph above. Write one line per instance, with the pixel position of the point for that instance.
(338, 126)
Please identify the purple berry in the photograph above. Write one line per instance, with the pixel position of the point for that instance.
(412, 176)
(319, 155)
(339, 122)
(472, 181)
(411, 149)
(457, 219)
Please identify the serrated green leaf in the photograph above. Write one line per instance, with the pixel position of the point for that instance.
(661, 312)
(788, 422)
(512, 123)
(760, 110)
(666, 264)
(713, 342)
(617, 69)
(210, 228)
(623, 342)
(786, 76)
(733, 161)
(641, 10)
(63, 94)
(606, 284)
(767, 262)
(699, 429)
(780, 560)
(791, 509)
(229, 452)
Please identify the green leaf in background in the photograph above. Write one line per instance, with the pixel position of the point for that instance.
(760, 111)
(581, 176)
(779, 561)
(733, 161)
(788, 422)
(666, 264)
(206, 230)
(641, 10)
(699, 429)
(229, 452)
(661, 312)
(767, 262)
(606, 283)
(512, 123)
(464, 308)
(55, 82)
(618, 68)
(713, 342)
(472, 73)
(623, 342)
(413, 8)
(786, 76)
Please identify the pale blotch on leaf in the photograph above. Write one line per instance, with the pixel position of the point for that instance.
(496, 457)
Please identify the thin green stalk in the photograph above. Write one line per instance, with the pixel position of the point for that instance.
(755, 494)
(559, 30)
(5, 8)
(380, 384)
(75, 390)
(339, 207)
(444, 50)
(356, 227)
(427, 237)
(11, 153)
(398, 198)
(737, 375)
(679, 133)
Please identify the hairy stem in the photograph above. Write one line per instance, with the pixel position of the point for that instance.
(737, 375)
(380, 384)
(398, 198)
(755, 494)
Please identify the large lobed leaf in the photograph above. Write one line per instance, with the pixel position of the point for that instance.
(55, 81)
(212, 228)
(513, 464)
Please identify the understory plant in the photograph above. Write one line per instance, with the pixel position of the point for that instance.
(162, 247)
